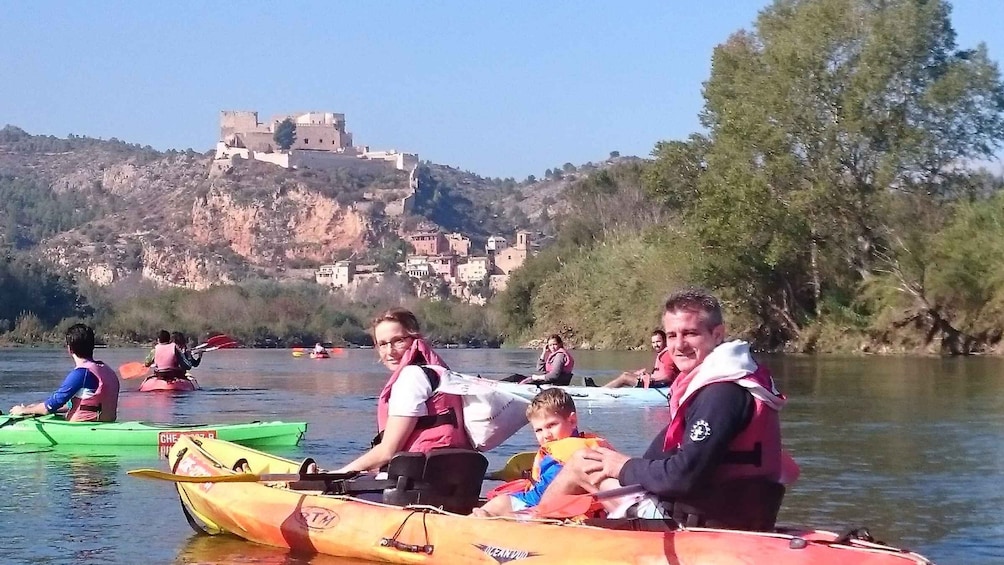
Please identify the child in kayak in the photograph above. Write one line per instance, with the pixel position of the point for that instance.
(555, 423)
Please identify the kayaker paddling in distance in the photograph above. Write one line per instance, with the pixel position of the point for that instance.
(663, 370)
(165, 358)
(411, 416)
(719, 461)
(92, 386)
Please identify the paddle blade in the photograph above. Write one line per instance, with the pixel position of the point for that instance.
(133, 370)
(214, 341)
(517, 467)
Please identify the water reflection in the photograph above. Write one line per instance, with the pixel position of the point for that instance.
(213, 550)
(910, 447)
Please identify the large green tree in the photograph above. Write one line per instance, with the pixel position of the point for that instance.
(817, 118)
(285, 134)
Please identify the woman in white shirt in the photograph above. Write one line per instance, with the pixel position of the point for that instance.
(411, 415)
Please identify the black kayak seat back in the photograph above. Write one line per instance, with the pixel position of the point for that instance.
(449, 478)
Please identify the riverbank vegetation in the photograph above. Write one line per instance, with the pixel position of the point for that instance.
(257, 313)
(833, 201)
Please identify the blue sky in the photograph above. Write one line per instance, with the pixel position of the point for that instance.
(499, 89)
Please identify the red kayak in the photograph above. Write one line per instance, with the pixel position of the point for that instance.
(155, 384)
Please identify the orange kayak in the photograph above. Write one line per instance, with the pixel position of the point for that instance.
(307, 521)
(155, 384)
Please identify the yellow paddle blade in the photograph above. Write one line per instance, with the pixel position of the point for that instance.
(241, 478)
(517, 467)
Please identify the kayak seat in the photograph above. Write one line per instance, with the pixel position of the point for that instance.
(448, 478)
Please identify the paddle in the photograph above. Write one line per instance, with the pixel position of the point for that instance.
(11, 418)
(227, 345)
(216, 340)
(515, 467)
(570, 505)
(133, 370)
(241, 478)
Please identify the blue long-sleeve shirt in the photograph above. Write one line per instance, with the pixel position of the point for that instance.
(79, 382)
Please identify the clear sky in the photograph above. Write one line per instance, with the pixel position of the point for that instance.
(501, 89)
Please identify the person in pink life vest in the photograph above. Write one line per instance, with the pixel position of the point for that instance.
(411, 415)
(91, 388)
(165, 358)
(554, 366)
(719, 461)
(663, 373)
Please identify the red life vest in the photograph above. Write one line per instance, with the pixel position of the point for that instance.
(665, 367)
(102, 406)
(444, 425)
(561, 450)
(566, 368)
(755, 451)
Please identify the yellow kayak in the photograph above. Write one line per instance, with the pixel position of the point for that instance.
(341, 525)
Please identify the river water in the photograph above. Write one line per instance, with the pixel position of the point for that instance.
(912, 448)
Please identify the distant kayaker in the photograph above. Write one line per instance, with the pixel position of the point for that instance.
(188, 359)
(662, 373)
(719, 461)
(555, 424)
(554, 366)
(319, 349)
(411, 416)
(91, 388)
(165, 358)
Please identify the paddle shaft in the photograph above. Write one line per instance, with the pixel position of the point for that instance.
(240, 478)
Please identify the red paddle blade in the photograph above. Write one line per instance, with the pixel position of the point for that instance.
(133, 370)
(218, 339)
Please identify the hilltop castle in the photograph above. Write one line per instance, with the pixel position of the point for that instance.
(321, 143)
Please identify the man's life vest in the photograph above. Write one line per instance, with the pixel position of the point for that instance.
(443, 426)
(102, 406)
(755, 451)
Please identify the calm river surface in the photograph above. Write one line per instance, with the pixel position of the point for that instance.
(912, 448)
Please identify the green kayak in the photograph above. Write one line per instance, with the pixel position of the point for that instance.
(53, 430)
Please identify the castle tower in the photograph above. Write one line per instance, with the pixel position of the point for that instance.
(523, 240)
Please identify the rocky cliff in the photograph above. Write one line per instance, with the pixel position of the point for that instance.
(109, 210)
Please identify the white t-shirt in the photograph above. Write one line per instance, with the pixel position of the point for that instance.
(409, 393)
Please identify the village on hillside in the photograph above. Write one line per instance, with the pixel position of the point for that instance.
(441, 263)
